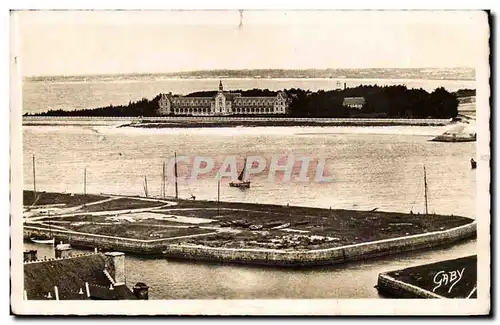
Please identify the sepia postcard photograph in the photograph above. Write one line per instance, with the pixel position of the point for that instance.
(250, 162)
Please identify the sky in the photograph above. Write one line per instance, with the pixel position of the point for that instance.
(113, 42)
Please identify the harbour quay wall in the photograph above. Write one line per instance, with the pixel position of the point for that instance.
(264, 256)
(101, 242)
(400, 289)
(323, 256)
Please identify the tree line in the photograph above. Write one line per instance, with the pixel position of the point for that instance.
(465, 92)
(379, 101)
(143, 107)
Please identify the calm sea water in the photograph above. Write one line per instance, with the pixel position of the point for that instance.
(372, 167)
(40, 96)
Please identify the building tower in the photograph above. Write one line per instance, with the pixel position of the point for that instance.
(221, 89)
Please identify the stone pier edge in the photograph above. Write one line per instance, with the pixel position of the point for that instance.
(402, 289)
(324, 256)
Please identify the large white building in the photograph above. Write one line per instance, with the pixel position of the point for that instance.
(223, 103)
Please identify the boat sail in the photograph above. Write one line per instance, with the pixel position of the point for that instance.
(241, 183)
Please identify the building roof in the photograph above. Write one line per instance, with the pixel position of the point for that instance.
(349, 101)
(192, 98)
(229, 96)
(70, 275)
(283, 94)
(266, 98)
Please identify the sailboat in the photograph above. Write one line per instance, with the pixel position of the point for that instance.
(241, 183)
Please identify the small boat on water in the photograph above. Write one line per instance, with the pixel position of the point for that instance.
(473, 163)
(256, 227)
(241, 183)
(283, 226)
(43, 240)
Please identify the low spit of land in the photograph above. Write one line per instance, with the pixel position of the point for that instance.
(277, 123)
(228, 121)
(224, 224)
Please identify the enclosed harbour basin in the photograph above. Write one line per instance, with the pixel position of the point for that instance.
(235, 232)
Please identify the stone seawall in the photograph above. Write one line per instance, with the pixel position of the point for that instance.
(99, 241)
(324, 256)
(400, 289)
(265, 256)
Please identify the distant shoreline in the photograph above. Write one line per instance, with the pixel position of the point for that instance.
(463, 73)
(64, 79)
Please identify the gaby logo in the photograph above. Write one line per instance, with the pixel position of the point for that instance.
(288, 168)
(449, 278)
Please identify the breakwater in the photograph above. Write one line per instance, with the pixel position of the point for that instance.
(235, 119)
(402, 289)
(326, 256)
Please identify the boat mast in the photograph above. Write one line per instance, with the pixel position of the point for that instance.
(146, 185)
(34, 181)
(175, 175)
(425, 192)
(163, 181)
(50, 226)
(85, 181)
(218, 194)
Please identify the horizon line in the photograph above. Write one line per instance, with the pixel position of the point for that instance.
(229, 69)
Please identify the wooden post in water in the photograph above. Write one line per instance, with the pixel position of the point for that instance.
(163, 182)
(218, 194)
(146, 185)
(425, 192)
(85, 181)
(175, 175)
(34, 181)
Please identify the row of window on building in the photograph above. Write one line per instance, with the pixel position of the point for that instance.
(207, 110)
